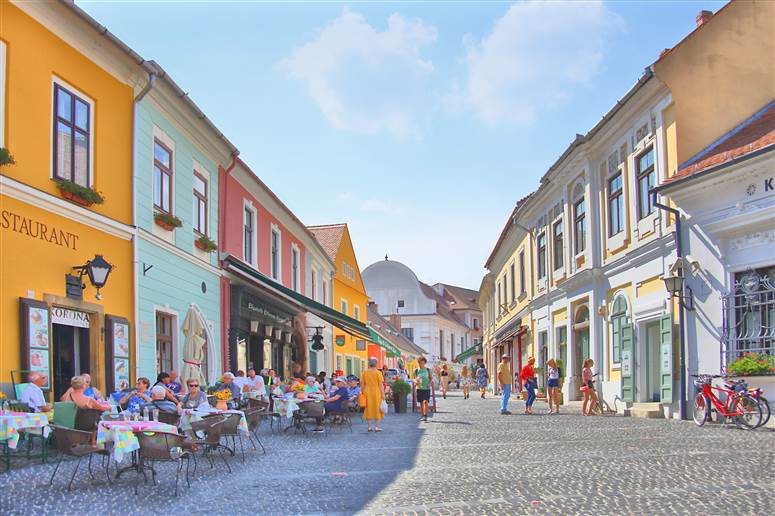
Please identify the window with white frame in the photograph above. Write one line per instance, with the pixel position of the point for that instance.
(274, 254)
(295, 266)
(356, 312)
(408, 333)
(249, 235)
(522, 286)
(162, 176)
(164, 342)
(338, 362)
(512, 284)
(343, 306)
(73, 134)
(579, 219)
(541, 248)
(314, 279)
(325, 292)
(646, 176)
(558, 246)
(615, 205)
(200, 204)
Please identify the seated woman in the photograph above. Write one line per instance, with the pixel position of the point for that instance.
(77, 396)
(136, 397)
(164, 379)
(195, 398)
(90, 391)
(334, 403)
(159, 401)
(310, 385)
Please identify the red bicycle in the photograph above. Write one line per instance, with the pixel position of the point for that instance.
(739, 406)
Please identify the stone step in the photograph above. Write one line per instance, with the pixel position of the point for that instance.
(647, 410)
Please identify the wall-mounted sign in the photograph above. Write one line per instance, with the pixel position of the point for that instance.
(36, 338)
(339, 340)
(67, 317)
(626, 363)
(118, 351)
(38, 230)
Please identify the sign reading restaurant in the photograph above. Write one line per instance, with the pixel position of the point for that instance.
(36, 229)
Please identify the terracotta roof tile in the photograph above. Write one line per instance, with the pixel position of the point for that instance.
(755, 133)
(330, 237)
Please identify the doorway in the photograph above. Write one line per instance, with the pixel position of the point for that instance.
(650, 358)
(581, 348)
(70, 355)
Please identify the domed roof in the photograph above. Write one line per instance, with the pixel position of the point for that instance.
(388, 269)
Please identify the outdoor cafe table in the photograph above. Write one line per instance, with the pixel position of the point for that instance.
(12, 422)
(290, 407)
(190, 415)
(122, 434)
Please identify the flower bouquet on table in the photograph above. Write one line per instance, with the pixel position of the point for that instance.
(298, 390)
(221, 397)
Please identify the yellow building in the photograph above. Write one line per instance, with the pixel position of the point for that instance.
(66, 117)
(349, 296)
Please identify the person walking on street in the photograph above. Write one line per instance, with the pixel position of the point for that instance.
(528, 378)
(373, 384)
(465, 382)
(553, 385)
(424, 381)
(444, 380)
(504, 378)
(588, 387)
(482, 379)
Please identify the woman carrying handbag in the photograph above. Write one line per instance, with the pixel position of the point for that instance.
(528, 378)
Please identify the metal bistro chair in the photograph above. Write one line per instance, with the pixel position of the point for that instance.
(169, 418)
(161, 447)
(87, 419)
(231, 429)
(344, 416)
(254, 421)
(78, 444)
(210, 441)
(266, 410)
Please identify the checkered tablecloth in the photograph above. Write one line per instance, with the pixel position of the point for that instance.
(13, 422)
(122, 434)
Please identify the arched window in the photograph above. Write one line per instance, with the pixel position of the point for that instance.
(579, 219)
(582, 314)
(618, 319)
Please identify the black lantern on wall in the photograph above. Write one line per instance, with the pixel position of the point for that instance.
(98, 269)
(676, 286)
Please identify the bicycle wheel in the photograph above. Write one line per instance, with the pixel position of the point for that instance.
(765, 406)
(701, 410)
(751, 412)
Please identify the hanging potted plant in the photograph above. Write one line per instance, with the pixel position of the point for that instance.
(400, 390)
(5, 157)
(167, 220)
(81, 195)
(205, 244)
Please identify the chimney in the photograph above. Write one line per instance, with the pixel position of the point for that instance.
(395, 320)
(703, 17)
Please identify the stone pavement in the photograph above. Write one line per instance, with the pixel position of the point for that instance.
(467, 460)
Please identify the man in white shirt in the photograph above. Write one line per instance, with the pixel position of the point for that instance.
(33, 394)
(239, 381)
(254, 382)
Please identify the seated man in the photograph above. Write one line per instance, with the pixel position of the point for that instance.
(159, 401)
(353, 389)
(33, 394)
(229, 383)
(335, 402)
(175, 386)
(254, 382)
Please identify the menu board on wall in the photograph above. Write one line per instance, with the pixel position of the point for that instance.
(117, 341)
(35, 329)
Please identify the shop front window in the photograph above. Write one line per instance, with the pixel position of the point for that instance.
(749, 315)
(163, 342)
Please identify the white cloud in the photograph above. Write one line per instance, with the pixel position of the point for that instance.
(534, 57)
(365, 80)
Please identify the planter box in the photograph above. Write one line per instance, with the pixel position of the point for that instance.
(70, 196)
(199, 245)
(164, 225)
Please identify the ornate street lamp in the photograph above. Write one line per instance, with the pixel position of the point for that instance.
(676, 287)
(674, 284)
(98, 269)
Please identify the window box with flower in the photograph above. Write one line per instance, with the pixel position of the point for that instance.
(205, 244)
(167, 220)
(81, 195)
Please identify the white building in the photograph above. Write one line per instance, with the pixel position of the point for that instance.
(427, 317)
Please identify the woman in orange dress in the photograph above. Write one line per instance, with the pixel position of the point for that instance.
(373, 385)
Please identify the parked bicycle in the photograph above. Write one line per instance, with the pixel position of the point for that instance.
(601, 407)
(741, 385)
(740, 407)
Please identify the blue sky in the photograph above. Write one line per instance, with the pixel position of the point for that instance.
(418, 123)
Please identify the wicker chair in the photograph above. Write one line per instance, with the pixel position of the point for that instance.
(161, 447)
(254, 421)
(78, 444)
(231, 430)
(211, 429)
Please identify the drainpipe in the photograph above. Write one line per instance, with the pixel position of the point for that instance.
(135, 258)
(681, 321)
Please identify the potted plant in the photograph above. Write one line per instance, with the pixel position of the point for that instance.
(400, 390)
(167, 220)
(221, 397)
(205, 244)
(5, 157)
(81, 195)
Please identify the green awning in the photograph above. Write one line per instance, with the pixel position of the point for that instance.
(465, 355)
(385, 344)
(338, 319)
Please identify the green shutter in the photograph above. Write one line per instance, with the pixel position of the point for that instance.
(666, 358)
(628, 362)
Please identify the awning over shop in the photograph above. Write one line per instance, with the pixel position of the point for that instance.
(465, 355)
(328, 314)
(392, 351)
(510, 331)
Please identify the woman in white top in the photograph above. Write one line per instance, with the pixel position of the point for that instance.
(553, 385)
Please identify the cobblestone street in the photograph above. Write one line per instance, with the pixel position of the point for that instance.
(466, 460)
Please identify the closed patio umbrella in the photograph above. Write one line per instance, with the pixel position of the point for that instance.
(193, 347)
